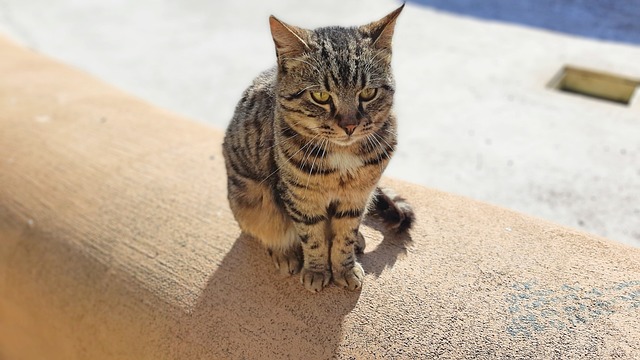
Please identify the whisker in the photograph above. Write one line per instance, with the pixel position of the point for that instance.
(394, 133)
(306, 156)
(370, 143)
(314, 67)
(375, 60)
(281, 141)
(310, 87)
(312, 166)
(386, 154)
(291, 157)
(385, 141)
(318, 64)
(373, 138)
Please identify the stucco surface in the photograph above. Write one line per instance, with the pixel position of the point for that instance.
(476, 117)
(116, 242)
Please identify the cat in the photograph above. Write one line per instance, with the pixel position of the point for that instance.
(307, 144)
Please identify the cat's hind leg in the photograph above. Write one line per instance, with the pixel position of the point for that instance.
(258, 215)
(360, 244)
(287, 260)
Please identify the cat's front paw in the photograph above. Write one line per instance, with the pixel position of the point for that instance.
(350, 278)
(314, 281)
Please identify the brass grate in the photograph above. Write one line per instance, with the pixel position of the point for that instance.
(595, 84)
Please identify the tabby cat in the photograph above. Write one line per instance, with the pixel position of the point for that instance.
(307, 145)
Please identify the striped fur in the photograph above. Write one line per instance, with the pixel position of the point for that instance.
(301, 173)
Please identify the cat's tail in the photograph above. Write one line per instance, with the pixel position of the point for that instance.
(394, 210)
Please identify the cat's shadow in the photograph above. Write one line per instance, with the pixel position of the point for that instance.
(392, 248)
(254, 312)
(250, 311)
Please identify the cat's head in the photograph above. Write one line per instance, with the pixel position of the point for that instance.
(335, 83)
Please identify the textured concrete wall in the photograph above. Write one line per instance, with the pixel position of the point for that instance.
(116, 242)
(476, 117)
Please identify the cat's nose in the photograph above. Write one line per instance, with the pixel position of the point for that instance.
(349, 129)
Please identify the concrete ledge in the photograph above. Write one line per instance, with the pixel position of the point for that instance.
(116, 242)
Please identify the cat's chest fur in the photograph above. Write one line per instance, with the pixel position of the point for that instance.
(344, 162)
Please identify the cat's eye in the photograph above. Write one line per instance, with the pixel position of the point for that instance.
(321, 97)
(368, 94)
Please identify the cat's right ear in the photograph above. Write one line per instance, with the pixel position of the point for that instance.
(290, 41)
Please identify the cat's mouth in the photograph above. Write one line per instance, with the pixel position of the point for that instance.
(347, 140)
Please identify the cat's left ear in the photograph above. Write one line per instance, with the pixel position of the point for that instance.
(381, 31)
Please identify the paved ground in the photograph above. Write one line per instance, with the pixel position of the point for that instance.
(476, 117)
